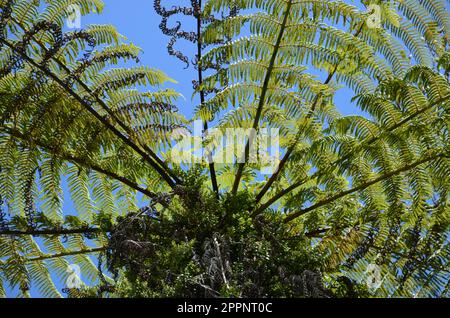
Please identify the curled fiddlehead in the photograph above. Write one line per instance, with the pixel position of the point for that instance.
(176, 33)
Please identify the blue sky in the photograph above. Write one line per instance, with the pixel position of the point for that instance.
(137, 20)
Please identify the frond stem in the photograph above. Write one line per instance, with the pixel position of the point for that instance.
(99, 117)
(292, 216)
(57, 232)
(298, 184)
(212, 169)
(82, 162)
(262, 99)
(291, 149)
(107, 109)
(65, 254)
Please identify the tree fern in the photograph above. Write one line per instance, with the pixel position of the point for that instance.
(350, 194)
